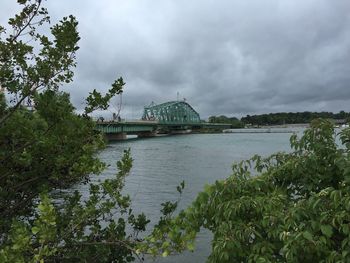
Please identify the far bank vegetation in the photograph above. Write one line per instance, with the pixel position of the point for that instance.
(281, 118)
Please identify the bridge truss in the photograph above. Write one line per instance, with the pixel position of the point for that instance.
(172, 112)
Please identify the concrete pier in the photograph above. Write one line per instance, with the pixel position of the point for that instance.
(116, 136)
(147, 134)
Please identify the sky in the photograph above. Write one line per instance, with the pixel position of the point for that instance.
(225, 57)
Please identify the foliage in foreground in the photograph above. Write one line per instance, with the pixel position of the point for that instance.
(46, 146)
(100, 228)
(297, 209)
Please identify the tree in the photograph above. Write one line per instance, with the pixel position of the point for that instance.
(42, 148)
(291, 117)
(289, 207)
(235, 123)
(45, 145)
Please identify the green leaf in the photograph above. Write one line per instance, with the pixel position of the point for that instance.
(35, 230)
(307, 235)
(190, 246)
(327, 230)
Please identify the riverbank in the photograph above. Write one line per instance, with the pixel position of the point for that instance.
(260, 130)
(287, 128)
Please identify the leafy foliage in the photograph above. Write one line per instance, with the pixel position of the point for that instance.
(96, 101)
(46, 146)
(25, 71)
(296, 209)
(91, 230)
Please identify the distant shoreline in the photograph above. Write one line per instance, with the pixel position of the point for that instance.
(296, 125)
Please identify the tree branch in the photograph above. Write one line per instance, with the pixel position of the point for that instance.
(35, 12)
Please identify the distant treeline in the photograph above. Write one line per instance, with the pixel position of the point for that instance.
(292, 117)
(279, 118)
(235, 123)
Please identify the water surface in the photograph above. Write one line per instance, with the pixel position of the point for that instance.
(161, 163)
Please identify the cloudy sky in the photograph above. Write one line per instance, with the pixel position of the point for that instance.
(232, 57)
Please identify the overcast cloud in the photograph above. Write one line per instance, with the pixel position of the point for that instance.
(225, 57)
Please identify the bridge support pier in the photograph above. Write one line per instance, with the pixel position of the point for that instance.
(181, 131)
(146, 134)
(116, 136)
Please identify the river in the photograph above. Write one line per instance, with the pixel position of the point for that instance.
(161, 163)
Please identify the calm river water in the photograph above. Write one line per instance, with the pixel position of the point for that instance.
(161, 163)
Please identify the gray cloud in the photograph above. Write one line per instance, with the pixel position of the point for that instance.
(225, 57)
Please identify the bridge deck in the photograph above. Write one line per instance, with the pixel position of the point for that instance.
(147, 126)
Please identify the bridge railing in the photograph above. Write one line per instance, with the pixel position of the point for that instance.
(122, 120)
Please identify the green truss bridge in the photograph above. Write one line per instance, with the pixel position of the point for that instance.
(173, 117)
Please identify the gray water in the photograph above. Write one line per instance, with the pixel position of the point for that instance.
(161, 163)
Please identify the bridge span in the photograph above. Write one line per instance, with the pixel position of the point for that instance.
(174, 117)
